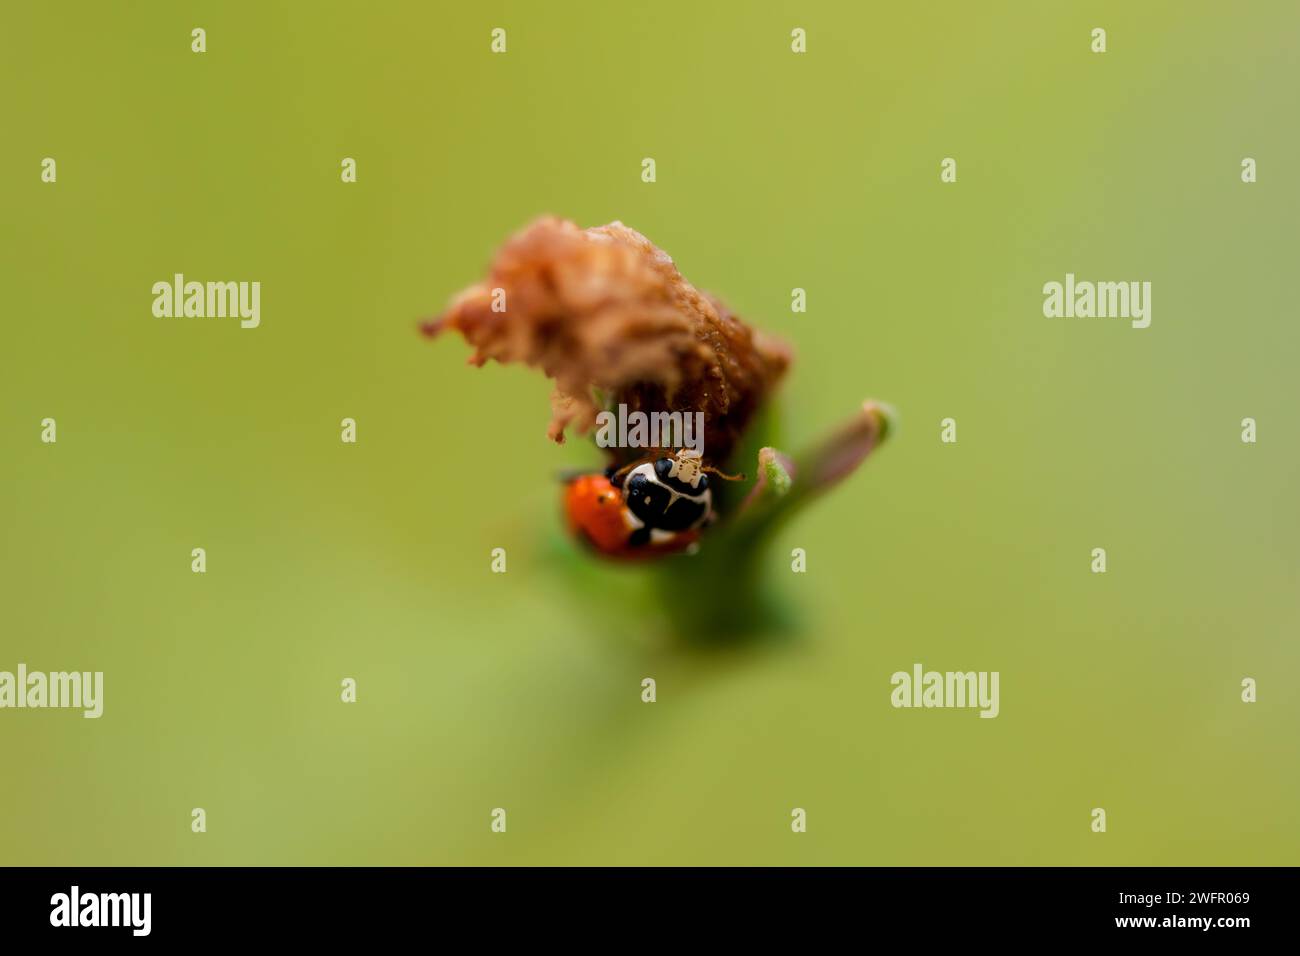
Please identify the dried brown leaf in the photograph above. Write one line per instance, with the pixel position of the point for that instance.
(605, 314)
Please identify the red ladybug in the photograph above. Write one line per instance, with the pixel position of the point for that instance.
(643, 510)
(596, 513)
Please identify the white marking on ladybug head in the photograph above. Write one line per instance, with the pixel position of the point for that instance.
(687, 467)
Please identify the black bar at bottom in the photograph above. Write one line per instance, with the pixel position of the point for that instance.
(731, 905)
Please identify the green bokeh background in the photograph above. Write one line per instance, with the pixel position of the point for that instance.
(774, 170)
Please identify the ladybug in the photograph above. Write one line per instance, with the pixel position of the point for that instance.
(644, 509)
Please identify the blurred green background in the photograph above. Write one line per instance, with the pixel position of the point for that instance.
(775, 170)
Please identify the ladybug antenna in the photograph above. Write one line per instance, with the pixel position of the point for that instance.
(722, 474)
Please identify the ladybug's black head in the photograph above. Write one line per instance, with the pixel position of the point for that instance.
(682, 471)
